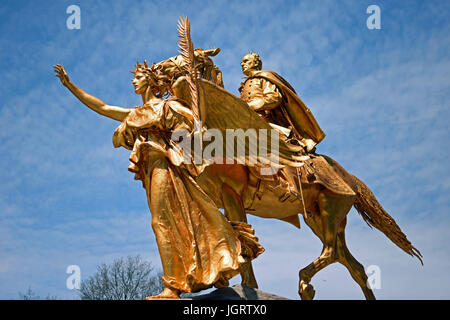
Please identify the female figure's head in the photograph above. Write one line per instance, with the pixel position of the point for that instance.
(152, 80)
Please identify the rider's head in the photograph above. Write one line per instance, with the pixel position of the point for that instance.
(251, 62)
(153, 77)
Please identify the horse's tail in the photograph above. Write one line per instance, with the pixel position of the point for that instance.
(374, 215)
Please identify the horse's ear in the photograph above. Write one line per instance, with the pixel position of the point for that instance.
(212, 52)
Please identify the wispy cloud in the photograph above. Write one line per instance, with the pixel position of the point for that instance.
(381, 97)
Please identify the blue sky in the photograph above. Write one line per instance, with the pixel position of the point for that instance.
(381, 96)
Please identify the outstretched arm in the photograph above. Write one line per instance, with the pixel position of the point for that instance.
(116, 113)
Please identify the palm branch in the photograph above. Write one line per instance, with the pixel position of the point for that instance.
(186, 49)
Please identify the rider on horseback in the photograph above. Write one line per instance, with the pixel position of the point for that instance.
(275, 100)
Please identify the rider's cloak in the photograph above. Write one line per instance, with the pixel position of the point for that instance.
(296, 111)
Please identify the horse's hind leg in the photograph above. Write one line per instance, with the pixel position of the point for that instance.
(332, 211)
(353, 266)
(235, 211)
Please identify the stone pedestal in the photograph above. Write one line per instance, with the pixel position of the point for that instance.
(237, 292)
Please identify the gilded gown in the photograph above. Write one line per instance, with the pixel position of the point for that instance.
(198, 246)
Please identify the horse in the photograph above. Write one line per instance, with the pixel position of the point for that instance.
(230, 185)
(327, 193)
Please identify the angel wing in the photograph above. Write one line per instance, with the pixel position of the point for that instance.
(231, 115)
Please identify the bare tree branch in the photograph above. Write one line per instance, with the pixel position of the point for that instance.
(124, 279)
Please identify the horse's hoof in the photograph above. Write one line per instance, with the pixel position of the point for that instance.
(251, 284)
(222, 283)
(306, 291)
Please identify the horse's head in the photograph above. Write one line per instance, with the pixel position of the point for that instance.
(208, 70)
(204, 64)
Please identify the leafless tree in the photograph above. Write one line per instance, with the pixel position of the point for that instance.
(31, 295)
(124, 279)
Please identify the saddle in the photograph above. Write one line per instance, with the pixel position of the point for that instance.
(316, 170)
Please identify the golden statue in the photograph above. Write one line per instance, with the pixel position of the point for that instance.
(198, 245)
(273, 98)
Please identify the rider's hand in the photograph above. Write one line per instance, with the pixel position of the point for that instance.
(310, 144)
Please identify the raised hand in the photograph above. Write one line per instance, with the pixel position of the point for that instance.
(62, 74)
(90, 101)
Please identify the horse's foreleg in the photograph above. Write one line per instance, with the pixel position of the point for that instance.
(235, 211)
(326, 258)
(332, 211)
